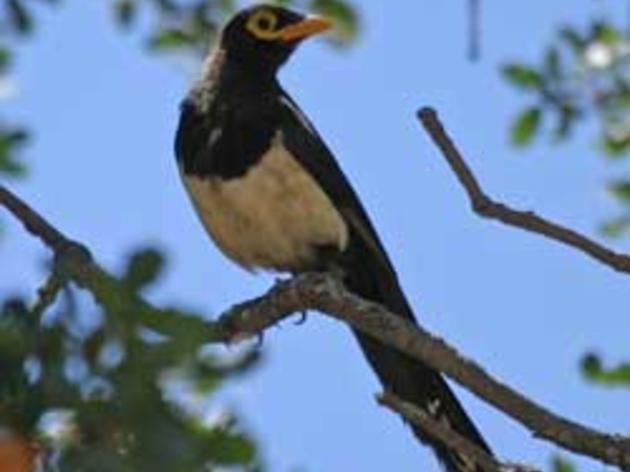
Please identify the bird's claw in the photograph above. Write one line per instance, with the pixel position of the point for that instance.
(302, 318)
(260, 339)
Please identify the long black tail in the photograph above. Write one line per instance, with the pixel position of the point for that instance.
(408, 378)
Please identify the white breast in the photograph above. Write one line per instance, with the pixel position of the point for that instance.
(275, 216)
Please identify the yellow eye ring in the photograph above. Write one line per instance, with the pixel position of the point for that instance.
(262, 25)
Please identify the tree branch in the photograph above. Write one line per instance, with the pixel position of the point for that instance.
(484, 206)
(33, 222)
(324, 293)
(446, 436)
(474, 30)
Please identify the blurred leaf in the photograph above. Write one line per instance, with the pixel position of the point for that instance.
(143, 268)
(525, 126)
(11, 140)
(592, 369)
(562, 465)
(20, 17)
(573, 39)
(170, 38)
(552, 63)
(615, 147)
(229, 448)
(5, 59)
(125, 11)
(615, 227)
(566, 119)
(605, 33)
(344, 16)
(620, 189)
(522, 76)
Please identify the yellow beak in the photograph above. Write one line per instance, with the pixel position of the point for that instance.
(309, 26)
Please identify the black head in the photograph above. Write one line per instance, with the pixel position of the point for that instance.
(261, 38)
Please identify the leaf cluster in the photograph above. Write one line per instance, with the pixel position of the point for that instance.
(582, 73)
(98, 391)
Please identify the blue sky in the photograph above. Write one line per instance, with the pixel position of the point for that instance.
(102, 169)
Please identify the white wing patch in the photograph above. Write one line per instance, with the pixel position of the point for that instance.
(215, 135)
(299, 115)
(465, 463)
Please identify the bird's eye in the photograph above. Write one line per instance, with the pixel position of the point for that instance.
(265, 24)
(262, 25)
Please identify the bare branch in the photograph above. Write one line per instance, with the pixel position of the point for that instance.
(529, 221)
(445, 435)
(325, 293)
(474, 30)
(47, 294)
(33, 222)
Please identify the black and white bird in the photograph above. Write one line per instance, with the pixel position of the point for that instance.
(271, 195)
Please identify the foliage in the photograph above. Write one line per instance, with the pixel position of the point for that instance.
(98, 392)
(559, 464)
(194, 25)
(11, 141)
(12, 138)
(181, 24)
(581, 74)
(593, 370)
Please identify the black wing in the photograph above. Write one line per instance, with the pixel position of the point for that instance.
(303, 141)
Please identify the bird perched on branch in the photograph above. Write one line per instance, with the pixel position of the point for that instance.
(271, 195)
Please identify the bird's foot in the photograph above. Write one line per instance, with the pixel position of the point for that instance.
(260, 340)
(279, 280)
(303, 316)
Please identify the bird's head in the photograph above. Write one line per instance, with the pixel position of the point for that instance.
(262, 37)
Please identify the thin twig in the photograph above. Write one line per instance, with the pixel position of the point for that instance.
(483, 205)
(47, 294)
(447, 436)
(32, 221)
(474, 30)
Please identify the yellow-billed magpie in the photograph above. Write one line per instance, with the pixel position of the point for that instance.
(271, 195)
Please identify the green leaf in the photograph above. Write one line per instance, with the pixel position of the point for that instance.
(10, 142)
(525, 126)
(592, 369)
(552, 63)
(562, 465)
(615, 227)
(567, 117)
(5, 59)
(170, 38)
(620, 189)
(522, 76)
(229, 448)
(615, 147)
(20, 17)
(605, 33)
(143, 268)
(344, 16)
(573, 39)
(125, 11)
